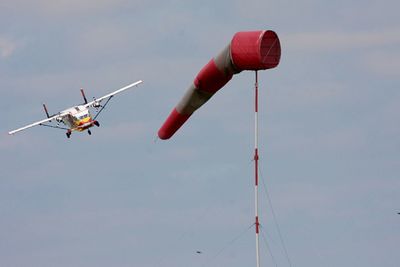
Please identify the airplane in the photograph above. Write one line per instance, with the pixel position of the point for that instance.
(77, 118)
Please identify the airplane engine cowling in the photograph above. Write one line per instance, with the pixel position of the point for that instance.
(253, 50)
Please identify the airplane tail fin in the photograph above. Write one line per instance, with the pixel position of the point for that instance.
(83, 95)
(45, 110)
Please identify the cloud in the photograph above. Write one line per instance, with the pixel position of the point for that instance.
(7, 47)
(334, 41)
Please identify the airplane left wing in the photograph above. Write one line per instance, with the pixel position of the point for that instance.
(98, 100)
(36, 123)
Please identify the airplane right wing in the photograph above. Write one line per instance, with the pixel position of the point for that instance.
(36, 123)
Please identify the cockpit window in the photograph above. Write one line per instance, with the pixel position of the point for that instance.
(83, 116)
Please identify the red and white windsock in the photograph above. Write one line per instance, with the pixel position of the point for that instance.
(253, 50)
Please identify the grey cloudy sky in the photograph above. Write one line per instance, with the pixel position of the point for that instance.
(329, 141)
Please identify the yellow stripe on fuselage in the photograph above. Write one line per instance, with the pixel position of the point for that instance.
(83, 121)
(79, 123)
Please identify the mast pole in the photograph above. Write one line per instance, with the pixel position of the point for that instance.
(257, 224)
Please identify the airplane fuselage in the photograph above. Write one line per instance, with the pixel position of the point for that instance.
(78, 118)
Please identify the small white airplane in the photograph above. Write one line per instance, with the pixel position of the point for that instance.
(77, 118)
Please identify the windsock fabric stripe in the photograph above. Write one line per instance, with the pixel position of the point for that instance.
(209, 80)
(254, 50)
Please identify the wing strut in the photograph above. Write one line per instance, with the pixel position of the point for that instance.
(102, 107)
(52, 126)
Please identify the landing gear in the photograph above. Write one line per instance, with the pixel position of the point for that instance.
(68, 134)
(89, 132)
(96, 123)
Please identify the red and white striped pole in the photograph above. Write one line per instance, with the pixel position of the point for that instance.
(256, 168)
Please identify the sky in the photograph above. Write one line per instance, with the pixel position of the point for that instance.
(329, 136)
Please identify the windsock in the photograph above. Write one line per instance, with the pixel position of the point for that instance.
(253, 50)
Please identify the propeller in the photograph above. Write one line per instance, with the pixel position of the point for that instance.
(96, 104)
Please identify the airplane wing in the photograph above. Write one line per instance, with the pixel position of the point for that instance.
(36, 123)
(98, 100)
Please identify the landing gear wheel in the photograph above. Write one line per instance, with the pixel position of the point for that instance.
(96, 123)
(68, 134)
(89, 132)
